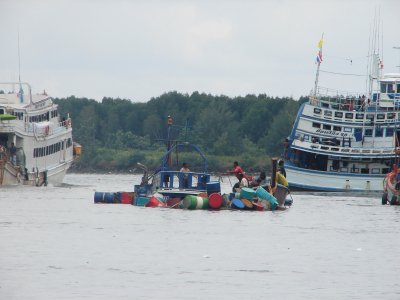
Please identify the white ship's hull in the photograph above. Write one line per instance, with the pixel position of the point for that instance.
(313, 180)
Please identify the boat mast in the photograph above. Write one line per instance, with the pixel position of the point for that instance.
(318, 62)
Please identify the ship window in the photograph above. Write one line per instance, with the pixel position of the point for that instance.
(328, 113)
(306, 137)
(337, 128)
(338, 114)
(370, 116)
(348, 116)
(327, 127)
(398, 88)
(347, 129)
(391, 88)
(389, 131)
(385, 170)
(316, 125)
(342, 169)
(359, 116)
(380, 116)
(317, 110)
(383, 88)
(354, 170)
(378, 132)
(368, 132)
(375, 171)
(364, 171)
(390, 116)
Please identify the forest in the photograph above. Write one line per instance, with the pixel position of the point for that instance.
(116, 134)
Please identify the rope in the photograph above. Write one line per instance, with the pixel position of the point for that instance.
(345, 74)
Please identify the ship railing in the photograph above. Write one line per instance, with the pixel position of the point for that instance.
(339, 100)
(39, 129)
(183, 180)
(333, 147)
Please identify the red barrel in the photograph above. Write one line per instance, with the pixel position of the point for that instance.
(174, 202)
(215, 200)
(258, 206)
(126, 198)
(155, 202)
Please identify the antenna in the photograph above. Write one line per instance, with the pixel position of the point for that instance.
(21, 91)
(398, 48)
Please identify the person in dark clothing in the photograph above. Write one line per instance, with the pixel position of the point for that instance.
(281, 166)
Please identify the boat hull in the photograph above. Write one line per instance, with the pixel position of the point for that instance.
(313, 180)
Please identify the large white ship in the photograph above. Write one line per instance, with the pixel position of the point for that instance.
(36, 146)
(346, 142)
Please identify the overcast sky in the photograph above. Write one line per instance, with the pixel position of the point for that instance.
(142, 49)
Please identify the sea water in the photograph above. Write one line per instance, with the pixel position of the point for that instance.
(57, 244)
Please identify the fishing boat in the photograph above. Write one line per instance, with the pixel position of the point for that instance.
(169, 179)
(173, 187)
(36, 146)
(343, 141)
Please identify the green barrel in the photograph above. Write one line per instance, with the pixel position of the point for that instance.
(195, 202)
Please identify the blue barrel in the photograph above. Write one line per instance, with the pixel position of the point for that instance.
(108, 197)
(264, 195)
(141, 201)
(99, 197)
(237, 203)
(247, 193)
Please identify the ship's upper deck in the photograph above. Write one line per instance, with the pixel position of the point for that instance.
(385, 97)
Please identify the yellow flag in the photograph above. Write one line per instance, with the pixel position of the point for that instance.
(321, 41)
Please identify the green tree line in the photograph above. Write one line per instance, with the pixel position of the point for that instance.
(116, 134)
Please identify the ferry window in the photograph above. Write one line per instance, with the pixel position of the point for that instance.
(338, 114)
(34, 152)
(316, 125)
(328, 113)
(47, 150)
(323, 104)
(375, 171)
(370, 116)
(391, 88)
(2, 111)
(389, 131)
(347, 129)
(359, 116)
(398, 88)
(380, 116)
(317, 110)
(378, 132)
(390, 116)
(368, 132)
(337, 128)
(327, 127)
(383, 88)
(385, 170)
(306, 137)
(364, 171)
(348, 116)
(354, 170)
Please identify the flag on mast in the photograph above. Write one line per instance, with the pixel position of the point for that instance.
(319, 55)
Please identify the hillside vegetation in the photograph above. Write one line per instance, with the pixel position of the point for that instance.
(116, 134)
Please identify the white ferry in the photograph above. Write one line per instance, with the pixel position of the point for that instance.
(345, 142)
(36, 146)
